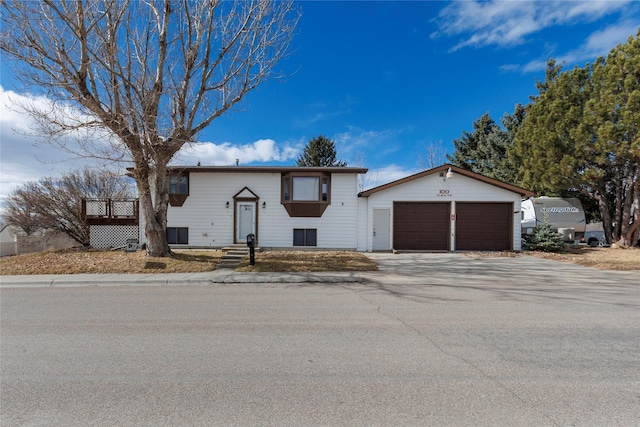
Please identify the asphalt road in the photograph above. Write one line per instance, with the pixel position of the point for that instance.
(392, 353)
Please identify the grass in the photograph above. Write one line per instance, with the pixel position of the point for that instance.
(622, 259)
(79, 261)
(308, 261)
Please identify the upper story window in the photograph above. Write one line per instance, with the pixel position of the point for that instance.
(178, 184)
(305, 189)
(306, 194)
(178, 189)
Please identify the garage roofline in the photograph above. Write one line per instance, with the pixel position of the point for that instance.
(444, 168)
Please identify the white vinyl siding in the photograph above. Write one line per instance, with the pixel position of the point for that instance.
(211, 223)
(432, 188)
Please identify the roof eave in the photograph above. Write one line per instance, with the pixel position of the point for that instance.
(455, 169)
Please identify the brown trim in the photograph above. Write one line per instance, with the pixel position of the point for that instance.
(178, 199)
(455, 169)
(252, 199)
(264, 169)
(305, 209)
(292, 175)
(110, 218)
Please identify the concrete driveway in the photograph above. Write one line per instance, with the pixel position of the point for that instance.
(469, 268)
(466, 276)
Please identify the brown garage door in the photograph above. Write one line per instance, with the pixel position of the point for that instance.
(484, 226)
(421, 226)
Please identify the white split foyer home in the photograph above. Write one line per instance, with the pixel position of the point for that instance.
(442, 209)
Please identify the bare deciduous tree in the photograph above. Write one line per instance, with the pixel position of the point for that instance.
(434, 156)
(150, 74)
(56, 203)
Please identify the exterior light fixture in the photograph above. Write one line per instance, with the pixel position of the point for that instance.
(449, 174)
(264, 205)
(227, 205)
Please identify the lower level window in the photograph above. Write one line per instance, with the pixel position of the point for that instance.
(305, 237)
(178, 235)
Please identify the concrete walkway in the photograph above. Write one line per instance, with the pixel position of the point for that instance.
(222, 276)
(417, 268)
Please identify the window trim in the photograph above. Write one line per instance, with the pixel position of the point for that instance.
(305, 237)
(305, 208)
(288, 179)
(177, 231)
(178, 199)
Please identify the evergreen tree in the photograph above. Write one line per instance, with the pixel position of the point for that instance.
(320, 151)
(581, 134)
(545, 239)
(485, 150)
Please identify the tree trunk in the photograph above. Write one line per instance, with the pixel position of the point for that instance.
(605, 213)
(154, 230)
(630, 225)
(153, 210)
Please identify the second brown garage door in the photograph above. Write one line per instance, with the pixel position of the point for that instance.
(421, 226)
(484, 226)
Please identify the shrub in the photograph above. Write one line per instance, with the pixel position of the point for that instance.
(545, 239)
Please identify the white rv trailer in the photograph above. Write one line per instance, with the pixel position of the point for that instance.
(566, 215)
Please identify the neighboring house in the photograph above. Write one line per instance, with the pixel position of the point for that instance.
(442, 209)
(13, 241)
(284, 207)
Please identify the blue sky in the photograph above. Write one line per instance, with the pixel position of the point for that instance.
(385, 80)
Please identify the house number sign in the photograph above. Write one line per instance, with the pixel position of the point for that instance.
(444, 193)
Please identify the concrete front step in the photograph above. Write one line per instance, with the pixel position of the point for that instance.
(236, 253)
(233, 256)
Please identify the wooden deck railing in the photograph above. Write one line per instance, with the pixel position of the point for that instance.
(111, 211)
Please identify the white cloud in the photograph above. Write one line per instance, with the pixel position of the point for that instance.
(601, 42)
(27, 158)
(508, 23)
(24, 156)
(225, 154)
(597, 44)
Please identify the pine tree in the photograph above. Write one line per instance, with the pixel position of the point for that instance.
(581, 134)
(320, 151)
(486, 149)
(545, 239)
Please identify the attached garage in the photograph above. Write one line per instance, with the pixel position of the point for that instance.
(421, 226)
(442, 209)
(484, 226)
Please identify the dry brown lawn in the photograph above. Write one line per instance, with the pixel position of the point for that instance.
(309, 261)
(600, 257)
(76, 261)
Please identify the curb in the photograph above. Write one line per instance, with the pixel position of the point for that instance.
(173, 279)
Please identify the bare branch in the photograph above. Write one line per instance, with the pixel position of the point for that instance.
(147, 75)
